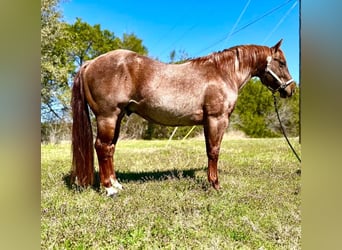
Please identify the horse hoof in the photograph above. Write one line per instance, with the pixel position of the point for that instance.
(112, 196)
(111, 191)
(216, 186)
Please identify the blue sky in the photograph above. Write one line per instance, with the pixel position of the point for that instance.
(196, 27)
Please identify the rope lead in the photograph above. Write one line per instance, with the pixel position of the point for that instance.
(282, 128)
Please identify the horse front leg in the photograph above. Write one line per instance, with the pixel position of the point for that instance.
(105, 148)
(214, 129)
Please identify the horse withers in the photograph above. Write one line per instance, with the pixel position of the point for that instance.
(201, 91)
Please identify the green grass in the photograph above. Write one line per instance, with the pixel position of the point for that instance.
(167, 202)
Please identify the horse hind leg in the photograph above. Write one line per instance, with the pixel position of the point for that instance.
(113, 179)
(107, 134)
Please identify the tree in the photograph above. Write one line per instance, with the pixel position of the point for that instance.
(172, 56)
(254, 112)
(181, 55)
(64, 47)
(87, 42)
(132, 42)
(54, 61)
(289, 114)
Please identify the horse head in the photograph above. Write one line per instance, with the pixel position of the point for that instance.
(276, 75)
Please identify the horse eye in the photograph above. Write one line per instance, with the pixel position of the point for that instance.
(282, 63)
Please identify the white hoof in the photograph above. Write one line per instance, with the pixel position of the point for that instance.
(111, 191)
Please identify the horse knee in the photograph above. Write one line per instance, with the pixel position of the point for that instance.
(213, 153)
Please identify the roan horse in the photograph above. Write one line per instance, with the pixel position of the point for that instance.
(201, 91)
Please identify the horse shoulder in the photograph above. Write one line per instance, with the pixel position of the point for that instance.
(219, 99)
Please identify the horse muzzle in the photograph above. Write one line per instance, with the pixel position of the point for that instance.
(287, 89)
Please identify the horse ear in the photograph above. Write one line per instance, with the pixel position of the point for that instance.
(277, 46)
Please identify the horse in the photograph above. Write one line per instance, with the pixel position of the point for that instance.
(201, 91)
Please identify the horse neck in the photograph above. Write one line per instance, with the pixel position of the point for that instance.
(246, 62)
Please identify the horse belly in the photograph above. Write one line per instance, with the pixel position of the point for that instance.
(169, 112)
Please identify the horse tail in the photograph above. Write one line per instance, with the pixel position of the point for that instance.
(82, 172)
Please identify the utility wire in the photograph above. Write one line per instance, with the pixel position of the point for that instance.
(238, 20)
(280, 22)
(179, 38)
(247, 25)
(165, 34)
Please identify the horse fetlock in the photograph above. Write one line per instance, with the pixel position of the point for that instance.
(216, 185)
(213, 179)
(112, 187)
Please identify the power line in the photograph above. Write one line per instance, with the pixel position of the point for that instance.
(179, 38)
(164, 35)
(239, 18)
(280, 22)
(261, 17)
(247, 25)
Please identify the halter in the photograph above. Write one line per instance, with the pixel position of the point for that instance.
(282, 84)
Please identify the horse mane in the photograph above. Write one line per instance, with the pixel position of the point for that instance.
(247, 56)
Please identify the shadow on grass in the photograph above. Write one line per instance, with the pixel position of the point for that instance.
(139, 177)
(157, 175)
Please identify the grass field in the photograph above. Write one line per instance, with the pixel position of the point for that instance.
(167, 203)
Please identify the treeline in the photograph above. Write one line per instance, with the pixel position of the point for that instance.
(64, 47)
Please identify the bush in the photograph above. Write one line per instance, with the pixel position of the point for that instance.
(254, 112)
(55, 132)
